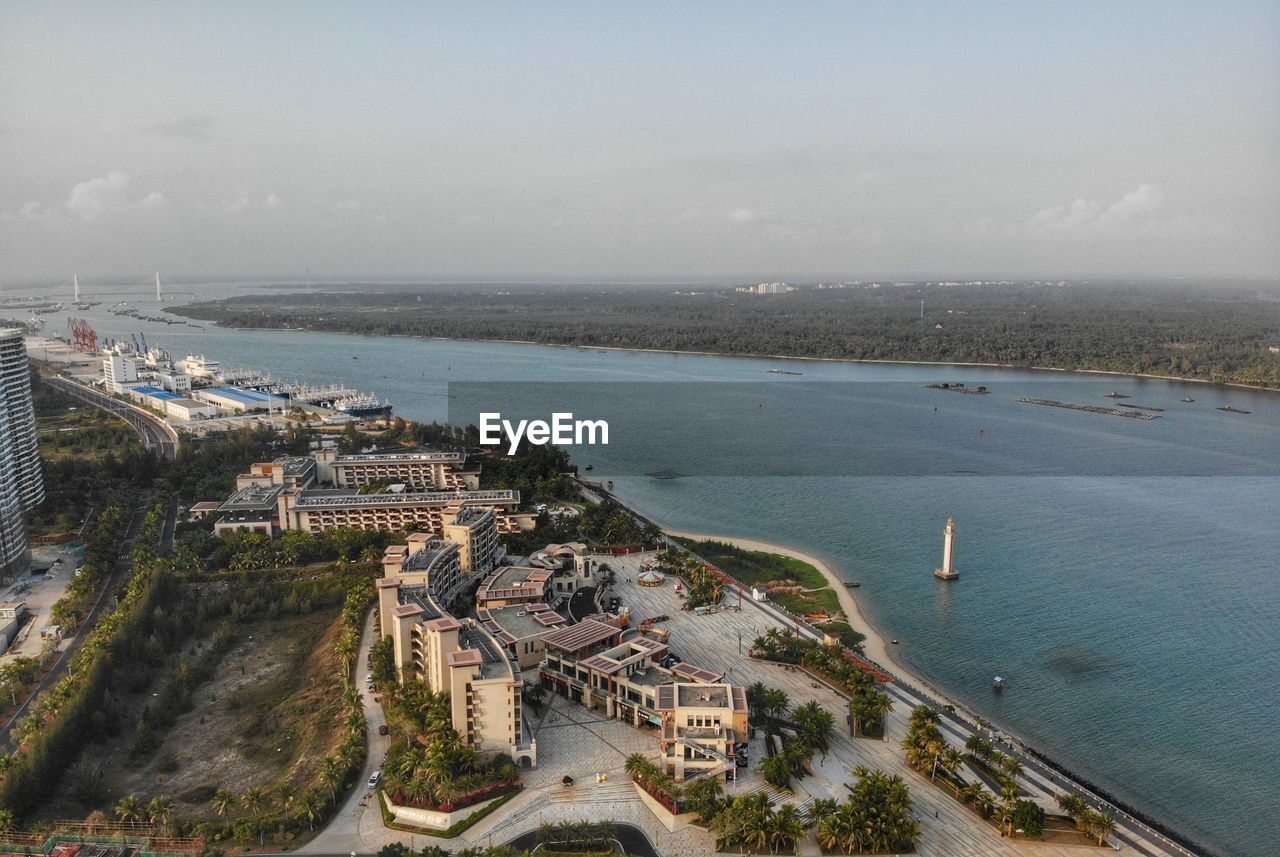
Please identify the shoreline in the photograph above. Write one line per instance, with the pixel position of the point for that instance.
(676, 351)
(876, 647)
(877, 650)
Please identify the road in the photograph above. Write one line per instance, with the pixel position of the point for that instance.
(118, 574)
(157, 435)
(342, 834)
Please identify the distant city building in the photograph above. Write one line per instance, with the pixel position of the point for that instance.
(766, 289)
(21, 479)
(174, 382)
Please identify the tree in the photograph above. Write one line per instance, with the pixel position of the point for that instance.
(1103, 827)
(223, 801)
(814, 726)
(7, 821)
(160, 812)
(777, 771)
(129, 809)
(787, 827)
(311, 807)
(331, 776)
(253, 799)
(703, 796)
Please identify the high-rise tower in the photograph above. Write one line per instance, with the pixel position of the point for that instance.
(21, 483)
(15, 381)
(948, 571)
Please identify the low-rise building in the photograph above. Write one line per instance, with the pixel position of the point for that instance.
(12, 615)
(620, 675)
(701, 723)
(189, 409)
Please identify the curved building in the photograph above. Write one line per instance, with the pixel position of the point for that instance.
(23, 464)
(21, 482)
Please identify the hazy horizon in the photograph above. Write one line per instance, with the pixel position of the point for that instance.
(665, 143)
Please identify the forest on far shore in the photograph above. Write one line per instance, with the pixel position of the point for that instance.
(1222, 332)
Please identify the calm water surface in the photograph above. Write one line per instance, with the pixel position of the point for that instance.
(1135, 617)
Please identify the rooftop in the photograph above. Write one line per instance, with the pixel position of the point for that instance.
(344, 498)
(583, 635)
(424, 456)
(519, 621)
(253, 498)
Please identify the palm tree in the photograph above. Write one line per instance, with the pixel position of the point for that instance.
(815, 725)
(1073, 805)
(951, 760)
(160, 812)
(223, 801)
(311, 806)
(253, 799)
(776, 704)
(820, 809)
(1103, 826)
(331, 776)
(7, 821)
(130, 809)
(1011, 767)
(284, 793)
(787, 827)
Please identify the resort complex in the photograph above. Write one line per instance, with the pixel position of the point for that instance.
(432, 493)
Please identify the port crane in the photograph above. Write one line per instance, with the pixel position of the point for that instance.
(84, 337)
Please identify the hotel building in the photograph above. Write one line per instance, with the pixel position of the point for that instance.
(289, 494)
(461, 658)
(421, 471)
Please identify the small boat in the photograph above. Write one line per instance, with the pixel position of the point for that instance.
(783, 372)
(1231, 409)
(997, 683)
(894, 642)
(1188, 400)
(853, 584)
(1115, 395)
(589, 467)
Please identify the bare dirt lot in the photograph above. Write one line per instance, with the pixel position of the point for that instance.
(270, 713)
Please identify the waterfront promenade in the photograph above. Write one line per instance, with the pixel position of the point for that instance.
(575, 741)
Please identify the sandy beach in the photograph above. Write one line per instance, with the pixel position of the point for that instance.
(876, 646)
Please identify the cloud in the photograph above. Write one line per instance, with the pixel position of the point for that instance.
(89, 199)
(95, 197)
(745, 215)
(272, 202)
(1087, 215)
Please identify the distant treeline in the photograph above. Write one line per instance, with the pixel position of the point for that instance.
(1211, 331)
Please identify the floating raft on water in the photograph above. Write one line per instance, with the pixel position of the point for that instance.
(959, 388)
(1139, 407)
(1131, 413)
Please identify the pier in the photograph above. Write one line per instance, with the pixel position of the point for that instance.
(1132, 413)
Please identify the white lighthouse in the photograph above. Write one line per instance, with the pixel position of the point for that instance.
(948, 572)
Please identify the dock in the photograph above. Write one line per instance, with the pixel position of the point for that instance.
(1131, 413)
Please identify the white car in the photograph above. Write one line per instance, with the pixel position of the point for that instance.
(373, 781)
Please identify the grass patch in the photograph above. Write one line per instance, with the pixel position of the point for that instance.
(758, 568)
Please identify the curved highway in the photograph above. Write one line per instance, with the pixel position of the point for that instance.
(157, 435)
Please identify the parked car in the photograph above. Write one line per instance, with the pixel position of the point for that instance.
(374, 780)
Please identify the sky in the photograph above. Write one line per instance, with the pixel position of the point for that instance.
(643, 140)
